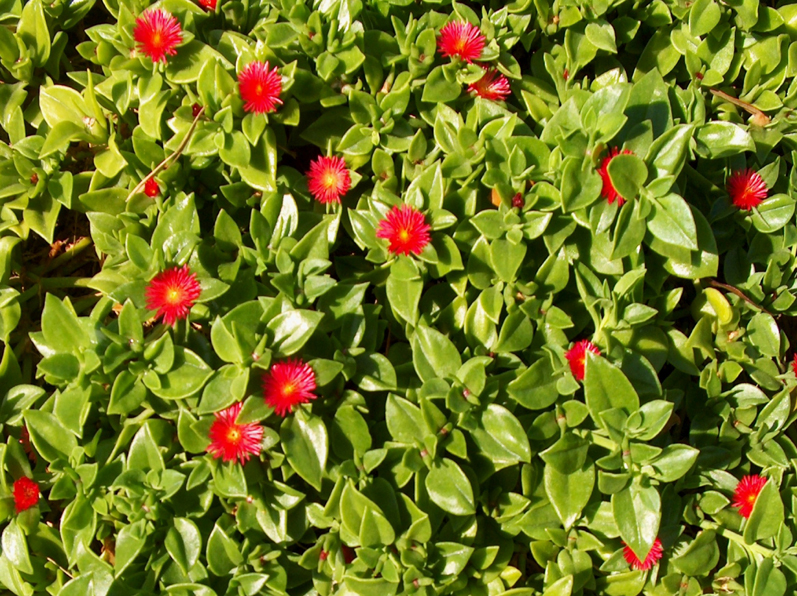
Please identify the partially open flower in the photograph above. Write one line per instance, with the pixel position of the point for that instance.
(328, 179)
(577, 357)
(260, 88)
(288, 384)
(746, 189)
(746, 493)
(151, 188)
(608, 191)
(26, 494)
(232, 441)
(461, 39)
(172, 293)
(493, 86)
(208, 4)
(158, 34)
(405, 229)
(653, 557)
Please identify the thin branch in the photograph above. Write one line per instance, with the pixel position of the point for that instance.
(169, 160)
(69, 575)
(739, 293)
(759, 117)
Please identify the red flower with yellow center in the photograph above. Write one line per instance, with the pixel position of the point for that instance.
(746, 493)
(328, 179)
(158, 33)
(461, 39)
(26, 494)
(151, 188)
(653, 557)
(405, 229)
(172, 293)
(260, 88)
(577, 357)
(608, 191)
(232, 441)
(288, 384)
(746, 189)
(493, 86)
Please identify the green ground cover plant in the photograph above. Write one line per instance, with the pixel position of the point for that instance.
(398, 297)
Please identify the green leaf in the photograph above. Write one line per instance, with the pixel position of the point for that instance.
(501, 437)
(432, 348)
(49, 436)
(627, 173)
(637, 512)
(292, 329)
(15, 547)
(674, 462)
(722, 139)
(305, 443)
(671, 221)
(450, 489)
(223, 553)
(569, 493)
(184, 543)
(536, 387)
(767, 516)
(130, 542)
(441, 86)
(61, 327)
(606, 387)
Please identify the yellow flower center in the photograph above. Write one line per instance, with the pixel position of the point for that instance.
(174, 295)
(157, 38)
(330, 180)
(259, 89)
(751, 499)
(289, 389)
(233, 435)
(404, 235)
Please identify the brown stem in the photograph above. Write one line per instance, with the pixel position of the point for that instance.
(169, 160)
(739, 293)
(759, 117)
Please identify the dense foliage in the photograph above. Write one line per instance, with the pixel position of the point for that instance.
(376, 297)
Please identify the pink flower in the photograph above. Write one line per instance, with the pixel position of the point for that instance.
(328, 179)
(493, 86)
(172, 293)
(405, 229)
(461, 39)
(608, 191)
(288, 384)
(653, 557)
(746, 493)
(260, 88)
(746, 189)
(577, 357)
(232, 441)
(158, 33)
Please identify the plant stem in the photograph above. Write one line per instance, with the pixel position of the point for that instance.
(70, 253)
(739, 293)
(730, 535)
(759, 117)
(169, 160)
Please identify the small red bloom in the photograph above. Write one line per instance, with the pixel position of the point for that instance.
(208, 4)
(195, 109)
(461, 39)
(493, 86)
(517, 201)
(158, 33)
(34, 178)
(653, 556)
(151, 188)
(26, 494)
(172, 293)
(577, 357)
(260, 88)
(348, 553)
(608, 191)
(794, 364)
(232, 441)
(323, 555)
(406, 230)
(746, 493)
(288, 384)
(746, 189)
(328, 179)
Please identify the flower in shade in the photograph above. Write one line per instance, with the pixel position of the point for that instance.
(260, 88)
(577, 357)
(24, 440)
(746, 493)
(158, 33)
(608, 191)
(26, 494)
(328, 179)
(151, 188)
(461, 39)
(208, 4)
(746, 189)
(653, 556)
(232, 441)
(288, 384)
(195, 109)
(794, 364)
(518, 201)
(405, 229)
(493, 85)
(172, 293)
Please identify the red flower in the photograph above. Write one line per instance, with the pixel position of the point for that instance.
(461, 39)
(328, 179)
(232, 441)
(794, 364)
(406, 230)
(577, 357)
(195, 109)
(260, 88)
(208, 4)
(746, 493)
(157, 33)
(608, 191)
(26, 494)
(518, 201)
(151, 188)
(653, 556)
(493, 86)
(172, 293)
(288, 384)
(746, 189)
